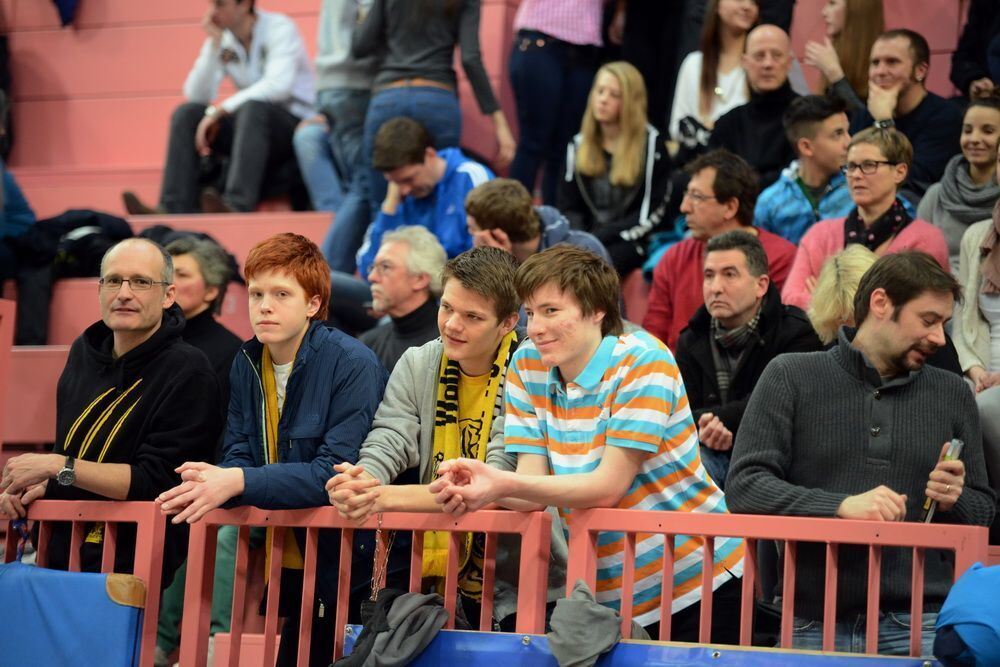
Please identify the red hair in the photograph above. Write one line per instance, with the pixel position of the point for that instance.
(300, 258)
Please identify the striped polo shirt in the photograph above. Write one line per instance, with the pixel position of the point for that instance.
(629, 395)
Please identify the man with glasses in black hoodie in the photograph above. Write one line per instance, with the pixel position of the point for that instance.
(133, 403)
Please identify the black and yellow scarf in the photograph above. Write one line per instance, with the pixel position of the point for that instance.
(448, 445)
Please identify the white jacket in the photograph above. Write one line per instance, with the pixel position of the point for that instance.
(276, 69)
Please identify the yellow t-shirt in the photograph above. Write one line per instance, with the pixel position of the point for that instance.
(472, 410)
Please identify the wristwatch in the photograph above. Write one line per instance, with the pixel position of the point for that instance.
(67, 476)
(885, 124)
(211, 111)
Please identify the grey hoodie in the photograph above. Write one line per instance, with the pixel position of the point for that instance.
(556, 229)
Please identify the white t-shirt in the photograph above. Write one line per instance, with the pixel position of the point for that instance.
(731, 92)
(281, 373)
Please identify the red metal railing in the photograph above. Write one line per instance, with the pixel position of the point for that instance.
(149, 539)
(968, 543)
(534, 529)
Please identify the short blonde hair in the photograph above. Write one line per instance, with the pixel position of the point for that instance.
(833, 297)
(895, 145)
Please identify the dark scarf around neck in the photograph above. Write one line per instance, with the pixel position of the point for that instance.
(888, 225)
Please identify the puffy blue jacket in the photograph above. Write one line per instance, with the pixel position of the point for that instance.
(783, 209)
(335, 386)
(442, 211)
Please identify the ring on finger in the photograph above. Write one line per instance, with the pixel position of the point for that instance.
(947, 489)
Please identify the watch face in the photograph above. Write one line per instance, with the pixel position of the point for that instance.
(66, 477)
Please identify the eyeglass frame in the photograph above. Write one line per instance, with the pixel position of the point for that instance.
(697, 197)
(846, 169)
(103, 283)
(382, 269)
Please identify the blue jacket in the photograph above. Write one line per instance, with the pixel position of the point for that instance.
(783, 209)
(333, 391)
(442, 211)
(335, 386)
(17, 215)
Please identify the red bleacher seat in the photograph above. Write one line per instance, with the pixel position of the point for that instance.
(92, 104)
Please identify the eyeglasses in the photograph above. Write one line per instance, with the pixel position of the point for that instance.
(383, 268)
(697, 197)
(867, 167)
(114, 283)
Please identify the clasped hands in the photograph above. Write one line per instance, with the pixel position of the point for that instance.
(463, 485)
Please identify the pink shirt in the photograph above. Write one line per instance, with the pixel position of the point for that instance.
(826, 238)
(573, 21)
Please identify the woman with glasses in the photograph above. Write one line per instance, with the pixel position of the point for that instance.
(616, 167)
(878, 161)
(968, 189)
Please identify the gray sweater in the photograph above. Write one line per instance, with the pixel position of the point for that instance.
(822, 426)
(418, 40)
(402, 437)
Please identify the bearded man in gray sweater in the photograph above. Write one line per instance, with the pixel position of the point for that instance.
(859, 432)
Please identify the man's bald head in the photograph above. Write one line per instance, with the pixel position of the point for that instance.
(767, 58)
(157, 255)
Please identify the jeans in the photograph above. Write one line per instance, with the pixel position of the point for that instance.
(717, 464)
(893, 634)
(332, 164)
(434, 108)
(257, 137)
(551, 81)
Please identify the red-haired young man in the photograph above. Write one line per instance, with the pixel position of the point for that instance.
(302, 400)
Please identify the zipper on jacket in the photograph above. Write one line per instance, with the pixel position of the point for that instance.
(263, 409)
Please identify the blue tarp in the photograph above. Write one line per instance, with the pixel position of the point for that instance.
(51, 618)
(489, 649)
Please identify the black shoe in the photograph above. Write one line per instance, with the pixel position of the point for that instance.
(212, 202)
(134, 205)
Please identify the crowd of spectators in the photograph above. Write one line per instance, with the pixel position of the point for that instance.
(809, 254)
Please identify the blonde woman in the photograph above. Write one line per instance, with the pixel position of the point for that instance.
(616, 167)
(843, 57)
(833, 296)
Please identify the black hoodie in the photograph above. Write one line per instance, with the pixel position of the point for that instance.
(154, 408)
